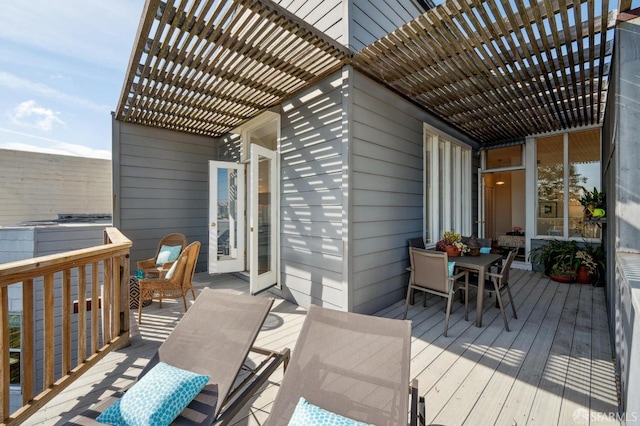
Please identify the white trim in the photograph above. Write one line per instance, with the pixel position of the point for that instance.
(245, 129)
(565, 178)
(255, 122)
(530, 201)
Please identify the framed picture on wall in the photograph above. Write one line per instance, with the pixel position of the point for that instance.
(548, 209)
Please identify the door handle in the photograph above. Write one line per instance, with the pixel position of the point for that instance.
(213, 224)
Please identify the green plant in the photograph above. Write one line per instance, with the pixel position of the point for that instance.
(563, 270)
(450, 238)
(594, 198)
(566, 256)
(555, 252)
(586, 261)
(597, 256)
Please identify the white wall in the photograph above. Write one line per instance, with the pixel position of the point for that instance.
(37, 186)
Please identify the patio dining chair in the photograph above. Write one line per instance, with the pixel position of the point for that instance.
(218, 351)
(417, 242)
(432, 273)
(351, 365)
(175, 283)
(496, 281)
(169, 247)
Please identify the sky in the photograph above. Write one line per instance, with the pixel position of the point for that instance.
(62, 64)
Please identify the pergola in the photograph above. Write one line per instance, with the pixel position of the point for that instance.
(499, 70)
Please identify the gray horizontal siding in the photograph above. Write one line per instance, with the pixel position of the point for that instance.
(387, 148)
(311, 211)
(373, 19)
(386, 191)
(162, 187)
(16, 244)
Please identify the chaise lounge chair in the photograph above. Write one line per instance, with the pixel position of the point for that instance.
(214, 338)
(353, 365)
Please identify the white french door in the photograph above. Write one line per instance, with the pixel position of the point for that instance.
(226, 217)
(263, 219)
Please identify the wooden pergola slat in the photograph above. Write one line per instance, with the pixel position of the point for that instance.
(499, 70)
(209, 66)
(512, 70)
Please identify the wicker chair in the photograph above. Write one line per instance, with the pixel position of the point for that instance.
(178, 282)
(149, 266)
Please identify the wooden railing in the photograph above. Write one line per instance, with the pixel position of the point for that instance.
(92, 290)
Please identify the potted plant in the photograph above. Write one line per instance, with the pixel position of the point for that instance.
(587, 267)
(593, 202)
(451, 242)
(562, 260)
(563, 271)
(592, 264)
(554, 252)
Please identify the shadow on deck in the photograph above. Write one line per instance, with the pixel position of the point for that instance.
(554, 367)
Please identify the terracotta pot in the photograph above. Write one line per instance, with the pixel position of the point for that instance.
(561, 278)
(583, 276)
(452, 251)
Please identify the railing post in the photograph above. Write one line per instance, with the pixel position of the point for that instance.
(55, 275)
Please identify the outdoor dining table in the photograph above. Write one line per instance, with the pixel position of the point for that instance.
(478, 264)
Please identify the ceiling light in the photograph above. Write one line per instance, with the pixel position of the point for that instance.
(499, 181)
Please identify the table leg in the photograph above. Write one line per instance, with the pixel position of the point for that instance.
(480, 297)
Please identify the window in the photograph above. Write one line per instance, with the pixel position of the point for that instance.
(510, 156)
(566, 165)
(447, 193)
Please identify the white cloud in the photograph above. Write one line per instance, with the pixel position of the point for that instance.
(52, 146)
(100, 32)
(17, 83)
(30, 114)
(60, 77)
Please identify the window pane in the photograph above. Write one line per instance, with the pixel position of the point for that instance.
(550, 172)
(584, 173)
(228, 220)
(504, 157)
(264, 215)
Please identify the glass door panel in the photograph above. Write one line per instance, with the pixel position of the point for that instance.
(226, 217)
(263, 250)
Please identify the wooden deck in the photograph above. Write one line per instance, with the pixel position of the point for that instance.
(554, 367)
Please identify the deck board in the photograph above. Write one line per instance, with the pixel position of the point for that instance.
(553, 367)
